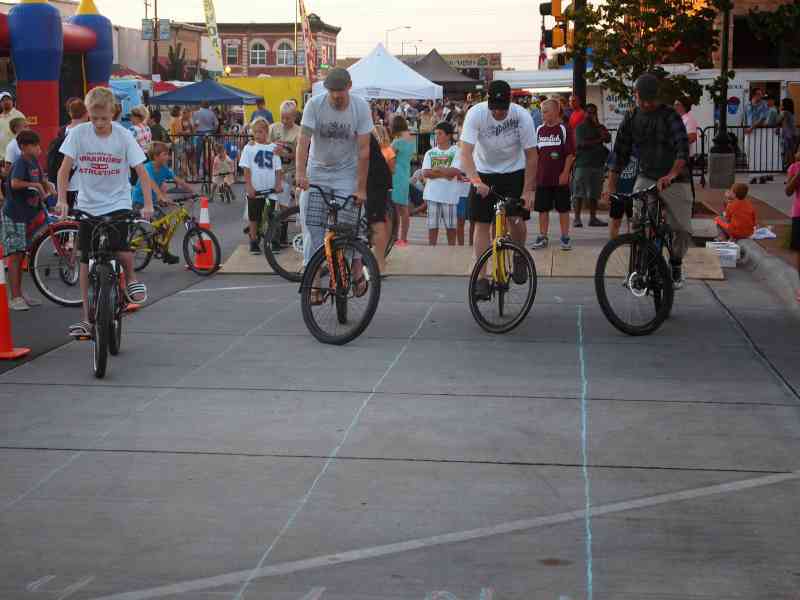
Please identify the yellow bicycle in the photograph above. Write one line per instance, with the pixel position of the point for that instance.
(201, 249)
(511, 272)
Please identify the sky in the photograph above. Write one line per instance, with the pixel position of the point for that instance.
(508, 26)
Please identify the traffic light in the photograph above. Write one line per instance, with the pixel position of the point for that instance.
(551, 9)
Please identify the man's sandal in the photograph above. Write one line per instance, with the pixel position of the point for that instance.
(361, 287)
(136, 292)
(81, 330)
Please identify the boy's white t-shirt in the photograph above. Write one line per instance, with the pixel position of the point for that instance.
(12, 151)
(438, 189)
(103, 167)
(263, 162)
(499, 145)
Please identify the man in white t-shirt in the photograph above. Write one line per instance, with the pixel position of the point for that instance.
(103, 153)
(498, 151)
(336, 127)
(443, 184)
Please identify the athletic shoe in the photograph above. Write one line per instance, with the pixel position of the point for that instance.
(520, 274)
(171, 259)
(541, 242)
(19, 304)
(483, 290)
(566, 243)
(578, 223)
(254, 247)
(31, 301)
(677, 277)
(595, 222)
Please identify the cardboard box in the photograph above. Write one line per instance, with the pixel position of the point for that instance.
(728, 253)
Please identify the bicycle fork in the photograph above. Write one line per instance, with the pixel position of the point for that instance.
(328, 242)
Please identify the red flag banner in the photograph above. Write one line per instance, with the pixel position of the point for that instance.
(308, 44)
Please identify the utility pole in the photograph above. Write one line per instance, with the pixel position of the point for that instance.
(722, 158)
(579, 62)
(155, 36)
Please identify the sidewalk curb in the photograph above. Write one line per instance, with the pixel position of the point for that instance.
(781, 278)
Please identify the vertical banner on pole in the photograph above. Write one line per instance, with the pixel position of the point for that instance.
(211, 27)
(308, 43)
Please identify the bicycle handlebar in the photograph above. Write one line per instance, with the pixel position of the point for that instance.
(265, 194)
(332, 202)
(105, 219)
(640, 195)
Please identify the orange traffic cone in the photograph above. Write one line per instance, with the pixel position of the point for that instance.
(7, 350)
(204, 252)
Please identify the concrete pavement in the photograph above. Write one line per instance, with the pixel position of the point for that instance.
(229, 455)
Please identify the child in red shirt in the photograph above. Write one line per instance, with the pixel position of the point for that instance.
(739, 220)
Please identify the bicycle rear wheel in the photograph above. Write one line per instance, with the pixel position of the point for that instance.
(100, 283)
(142, 244)
(201, 251)
(338, 307)
(633, 284)
(55, 265)
(285, 230)
(509, 302)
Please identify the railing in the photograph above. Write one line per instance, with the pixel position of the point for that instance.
(193, 155)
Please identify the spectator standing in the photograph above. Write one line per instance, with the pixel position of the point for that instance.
(284, 134)
(403, 145)
(683, 107)
(189, 147)
(7, 113)
(590, 158)
(577, 113)
(755, 137)
(793, 188)
(158, 133)
(426, 124)
(440, 169)
(263, 112)
(789, 135)
(772, 112)
(205, 124)
(79, 115)
(12, 151)
(566, 111)
(556, 149)
(141, 131)
(536, 111)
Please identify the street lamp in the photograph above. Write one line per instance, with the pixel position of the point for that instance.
(388, 31)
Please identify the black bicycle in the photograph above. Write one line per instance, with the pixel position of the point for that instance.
(633, 280)
(286, 229)
(341, 285)
(107, 295)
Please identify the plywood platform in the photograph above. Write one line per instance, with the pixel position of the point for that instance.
(422, 260)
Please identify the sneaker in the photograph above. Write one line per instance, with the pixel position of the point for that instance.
(171, 259)
(566, 243)
(520, 274)
(541, 242)
(578, 223)
(595, 222)
(401, 244)
(31, 301)
(276, 247)
(677, 277)
(18, 304)
(254, 247)
(483, 290)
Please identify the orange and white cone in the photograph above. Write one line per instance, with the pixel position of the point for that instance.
(204, 255)
(7, 350)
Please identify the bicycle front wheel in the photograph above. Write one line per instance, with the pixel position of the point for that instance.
(510, 299)
(283, 244)
(633, 285)
(142, 244)
(100, 291)
(337, 307)
(55, 265)
(201, 251)
(115, 325)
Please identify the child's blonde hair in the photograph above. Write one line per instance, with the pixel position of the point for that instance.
(100, 97)
(382, 135)
(141, 112)
(740, 190)
(17, 124)
(157, 148)
(258, 121)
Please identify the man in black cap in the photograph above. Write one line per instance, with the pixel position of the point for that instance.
(498, 150)
(660, 136)
(337, 127)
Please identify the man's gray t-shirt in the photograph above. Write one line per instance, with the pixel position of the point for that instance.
(205, 120)
(334, 136)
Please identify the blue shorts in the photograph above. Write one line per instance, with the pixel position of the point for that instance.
(462, 208)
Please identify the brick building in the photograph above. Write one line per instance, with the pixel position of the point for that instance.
(253, 49)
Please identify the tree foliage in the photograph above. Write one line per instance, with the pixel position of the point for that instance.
(631, 37)
(176, 70)
(779, 27)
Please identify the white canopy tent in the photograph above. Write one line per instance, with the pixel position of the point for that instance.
(379, 75)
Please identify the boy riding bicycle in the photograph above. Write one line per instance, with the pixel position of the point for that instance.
(103, 153)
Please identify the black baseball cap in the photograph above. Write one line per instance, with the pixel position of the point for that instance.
(337, 80)
(445, 126)
(499, 95)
